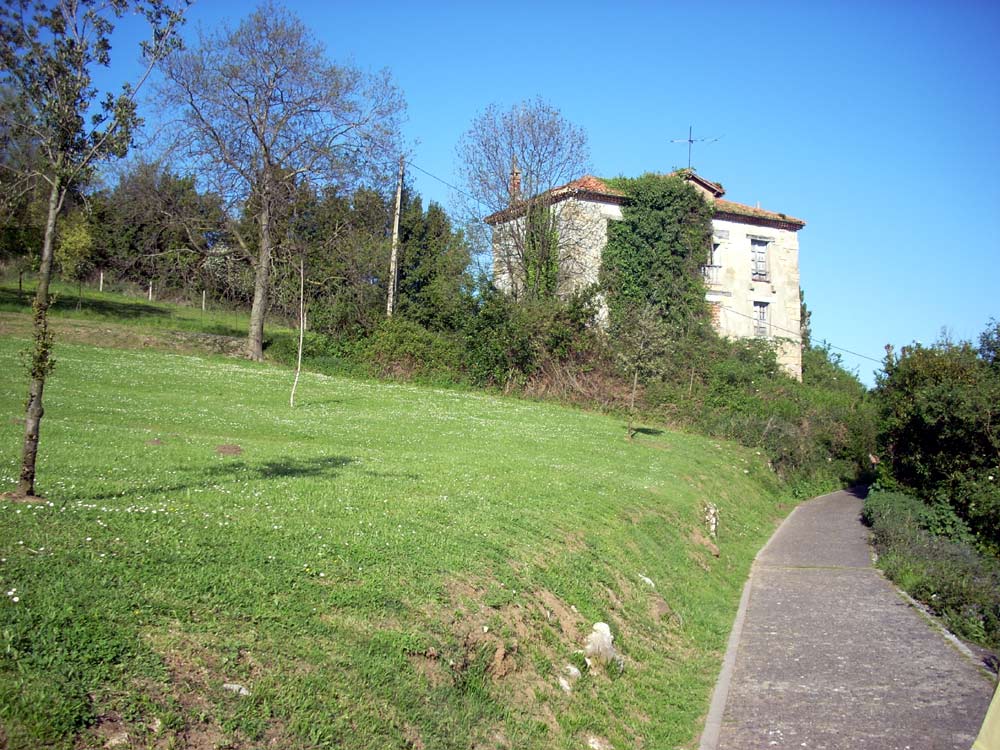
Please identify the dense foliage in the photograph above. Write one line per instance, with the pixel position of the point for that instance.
(939, 411)
(654, 254)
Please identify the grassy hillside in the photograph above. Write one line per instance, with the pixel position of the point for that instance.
(384, 566)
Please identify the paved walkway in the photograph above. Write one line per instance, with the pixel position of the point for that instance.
(826, 654)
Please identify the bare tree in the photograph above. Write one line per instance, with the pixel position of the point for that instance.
(512, 162)
(48, 51)
(262, 108)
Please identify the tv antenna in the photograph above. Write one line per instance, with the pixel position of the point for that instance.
(691, 140)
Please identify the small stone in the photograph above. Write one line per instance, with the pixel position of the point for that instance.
(572, 672)
(233, 687)
(564, 684)
(648, 581)
(117, 740)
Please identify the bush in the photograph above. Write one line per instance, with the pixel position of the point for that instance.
(928, 550)
(401, 348)
(939, 409)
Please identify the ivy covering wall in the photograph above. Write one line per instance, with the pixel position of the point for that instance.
(654, 254)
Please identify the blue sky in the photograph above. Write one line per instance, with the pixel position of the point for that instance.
(878, 123)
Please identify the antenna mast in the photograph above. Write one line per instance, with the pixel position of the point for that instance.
(691, 140)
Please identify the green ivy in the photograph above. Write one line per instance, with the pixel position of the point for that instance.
(654, 253)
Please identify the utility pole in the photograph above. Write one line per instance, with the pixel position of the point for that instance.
(394, 256)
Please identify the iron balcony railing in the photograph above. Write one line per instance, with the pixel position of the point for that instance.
(711, 274)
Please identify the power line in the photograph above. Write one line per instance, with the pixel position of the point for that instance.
(444, 182)
(798, 336)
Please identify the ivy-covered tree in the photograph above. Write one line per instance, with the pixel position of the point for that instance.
(654, 254)
(48, 50)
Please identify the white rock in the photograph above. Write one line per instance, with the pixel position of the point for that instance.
(648, 581)
(600, 644)
(564, 684)
(233, 687)
(597, 743)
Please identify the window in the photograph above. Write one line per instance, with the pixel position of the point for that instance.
(761, 326)
(710, 273)
(758, 260)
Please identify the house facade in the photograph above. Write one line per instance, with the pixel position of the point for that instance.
(752, 277)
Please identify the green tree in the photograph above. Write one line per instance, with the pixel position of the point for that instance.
(48, 51)
(435, 286)
(940, 429)
(263, 110)
(653, 255)
(156, 225)
(75, 249)
(641, 341)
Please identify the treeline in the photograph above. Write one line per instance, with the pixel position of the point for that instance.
(279, 193)
(452, 326)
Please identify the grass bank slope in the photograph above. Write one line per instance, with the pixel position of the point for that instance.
(384, 566)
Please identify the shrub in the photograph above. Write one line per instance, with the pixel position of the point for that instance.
(405, 349)
(929, 552)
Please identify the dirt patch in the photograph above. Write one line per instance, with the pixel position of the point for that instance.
(412, 736)
(228, 450)
(697, 537)
(154, 442)
(660, 610)
(17, 421)
(18, 497)
(503, 662)
(117, 336)
(428, 664)
(565, 617)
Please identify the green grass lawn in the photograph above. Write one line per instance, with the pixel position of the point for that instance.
(384, 566)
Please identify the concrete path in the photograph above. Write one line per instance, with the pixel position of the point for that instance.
(826, 654)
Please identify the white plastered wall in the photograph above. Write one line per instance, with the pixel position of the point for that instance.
(737, 291)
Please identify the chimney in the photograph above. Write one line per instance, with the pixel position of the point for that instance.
(515, 181)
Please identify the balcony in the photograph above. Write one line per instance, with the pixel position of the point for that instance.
(711, 275)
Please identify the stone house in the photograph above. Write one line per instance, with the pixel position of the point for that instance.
(752, 277)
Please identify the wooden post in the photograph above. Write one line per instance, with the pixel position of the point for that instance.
(393, 257)
(302, 326)
(150, 296)
(203, 300)
(100, 284)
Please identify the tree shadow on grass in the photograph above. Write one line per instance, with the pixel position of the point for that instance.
(320, 467)
(647, 431)
(11, 299)
(295, 467)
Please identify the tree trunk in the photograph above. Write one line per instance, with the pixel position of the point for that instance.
(255, 337)
(41, 356)
(631, 405)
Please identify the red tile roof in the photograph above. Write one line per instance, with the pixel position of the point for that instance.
(749, 212)
(594, 188)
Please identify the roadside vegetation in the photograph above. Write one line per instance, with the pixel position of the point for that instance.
(936, 513)
(929, 552)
